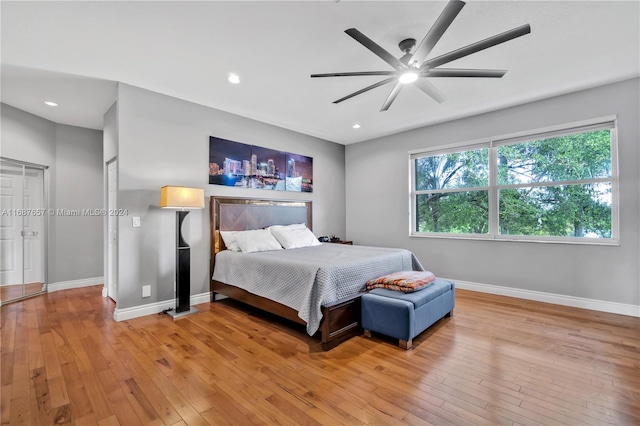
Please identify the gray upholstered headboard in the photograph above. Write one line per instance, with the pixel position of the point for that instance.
(241, 214)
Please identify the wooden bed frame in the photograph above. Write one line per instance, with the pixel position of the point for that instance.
(340, 320)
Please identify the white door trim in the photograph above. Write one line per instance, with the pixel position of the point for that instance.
(111, 267)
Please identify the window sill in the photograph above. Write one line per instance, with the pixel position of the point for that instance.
(573, 241)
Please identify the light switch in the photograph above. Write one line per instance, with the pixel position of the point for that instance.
(136, 222)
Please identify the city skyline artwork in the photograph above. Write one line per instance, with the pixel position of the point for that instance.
(250, 166)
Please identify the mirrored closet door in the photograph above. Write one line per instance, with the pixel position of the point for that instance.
(23, 230)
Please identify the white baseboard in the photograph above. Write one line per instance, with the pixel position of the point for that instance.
(558, 299)
(65, 285)
(155, 308)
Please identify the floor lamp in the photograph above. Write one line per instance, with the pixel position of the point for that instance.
(182, 198)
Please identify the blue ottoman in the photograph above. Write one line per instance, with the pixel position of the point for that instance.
(405, 315)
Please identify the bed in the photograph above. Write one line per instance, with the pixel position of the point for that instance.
(318, 286)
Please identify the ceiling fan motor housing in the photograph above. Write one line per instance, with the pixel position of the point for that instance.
(407, 44)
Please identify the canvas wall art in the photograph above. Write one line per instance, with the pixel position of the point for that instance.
(251, 166)
(299, 173)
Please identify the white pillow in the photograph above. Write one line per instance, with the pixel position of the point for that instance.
(294, 237)
(256, 240)
(230, 240)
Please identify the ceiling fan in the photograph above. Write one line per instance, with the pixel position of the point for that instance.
(414, 68)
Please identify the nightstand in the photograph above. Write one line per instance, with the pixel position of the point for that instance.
(349, 243)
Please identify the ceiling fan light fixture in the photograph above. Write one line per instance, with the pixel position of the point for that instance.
(414, 66)
(408, 77)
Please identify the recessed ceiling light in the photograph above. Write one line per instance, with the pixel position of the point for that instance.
(408, 77)
(234, 78)
(356, 126)
(51, 104)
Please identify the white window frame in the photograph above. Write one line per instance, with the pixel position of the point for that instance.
(608, 122)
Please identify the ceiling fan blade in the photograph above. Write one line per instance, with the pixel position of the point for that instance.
(349, 74)
(373, 86)
(375, 48)
(430, 90)
(445, 19)
(461, 72)
(392, 96)
(478, 46)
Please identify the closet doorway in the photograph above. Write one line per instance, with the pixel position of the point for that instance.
(24, 217)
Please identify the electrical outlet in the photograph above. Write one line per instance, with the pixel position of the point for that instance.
(146, 291)
(136, 222)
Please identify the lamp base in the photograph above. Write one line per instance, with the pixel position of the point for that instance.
(176, 315)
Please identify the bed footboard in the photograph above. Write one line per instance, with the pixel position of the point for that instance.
(340, 321)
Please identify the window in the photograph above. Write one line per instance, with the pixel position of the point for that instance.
(452, 192)
(553, 185)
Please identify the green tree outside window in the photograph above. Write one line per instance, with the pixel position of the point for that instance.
(559, 186)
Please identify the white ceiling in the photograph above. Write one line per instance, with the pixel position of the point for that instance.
(74, 52)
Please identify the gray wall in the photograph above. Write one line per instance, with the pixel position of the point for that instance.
(78, 240)
(378, 214)
(29, 138)
(75, 243)
(165, 141)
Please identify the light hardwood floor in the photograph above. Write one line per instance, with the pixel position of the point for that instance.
(497, 361)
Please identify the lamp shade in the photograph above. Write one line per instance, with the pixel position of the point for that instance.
(181, 197)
